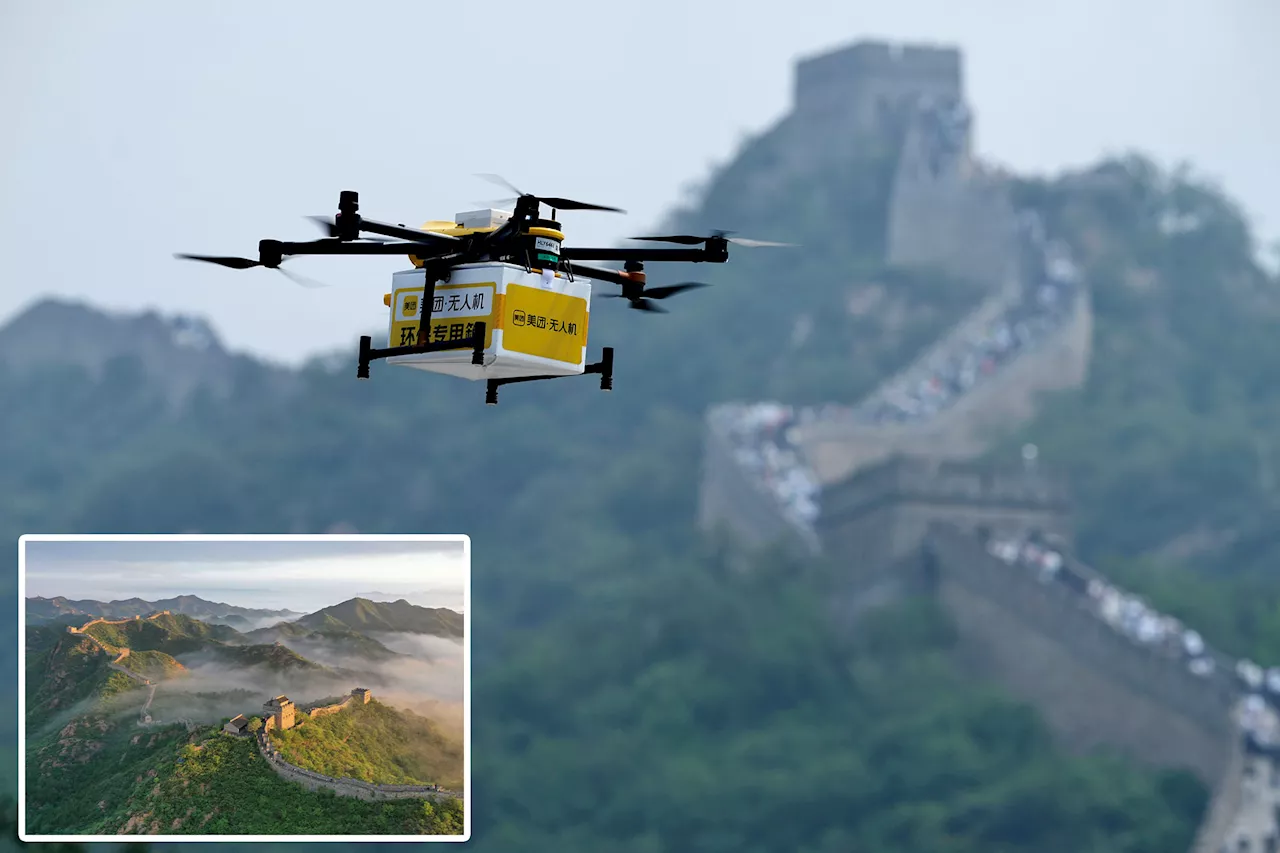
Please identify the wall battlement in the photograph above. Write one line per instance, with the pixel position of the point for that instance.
(916, 479)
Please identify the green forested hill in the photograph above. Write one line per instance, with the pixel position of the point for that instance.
(375, 743)
(173, 633)
(361, 614)
(167, 781)
(64, 670)
(632, 695)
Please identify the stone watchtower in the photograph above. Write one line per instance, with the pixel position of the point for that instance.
(362, 695)
(282, 709)
(907, 102)
(866, 91)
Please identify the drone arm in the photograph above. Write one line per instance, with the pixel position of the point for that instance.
(689, 256)
(269, 249)
(602, 274)
(386, 229)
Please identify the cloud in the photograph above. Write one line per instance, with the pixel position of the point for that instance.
(277, 574)
(431, 681)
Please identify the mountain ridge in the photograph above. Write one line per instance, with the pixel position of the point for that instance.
(59, 607)
(396, 616)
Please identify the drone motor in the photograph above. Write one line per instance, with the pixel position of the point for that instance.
(542, 241)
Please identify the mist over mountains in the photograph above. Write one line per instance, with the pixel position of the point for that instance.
(208, 669)
(60, 608)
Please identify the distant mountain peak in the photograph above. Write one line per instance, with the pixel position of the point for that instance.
(61, 607)
(61, 319)
(361, 614)
(180, 352)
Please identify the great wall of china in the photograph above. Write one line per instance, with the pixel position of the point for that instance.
(144, 716)
(340, 786)
(290, 772)
(902, 501)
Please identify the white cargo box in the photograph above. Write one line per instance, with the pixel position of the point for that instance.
(535, 326)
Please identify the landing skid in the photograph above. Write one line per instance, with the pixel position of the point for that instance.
(368, 353)
(604, 367)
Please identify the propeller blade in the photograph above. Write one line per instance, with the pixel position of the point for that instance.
(691, 240)
(330, 228)
(570, 204)
(325, 224)
(651, 307)
(743, 241)
(502, 182)
(232, 263)
(672, 289)
(553, 202)
(507, 204)
(301, 280)
(246, 264)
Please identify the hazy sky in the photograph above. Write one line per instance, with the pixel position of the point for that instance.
(302, 576)
(147, 128)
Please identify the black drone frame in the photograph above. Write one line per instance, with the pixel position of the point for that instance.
(440, 253)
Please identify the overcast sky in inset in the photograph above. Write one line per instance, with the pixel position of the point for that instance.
(300, 576)
(135, 130)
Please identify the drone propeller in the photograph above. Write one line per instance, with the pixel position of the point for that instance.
(644, 301)
(246, 264)
(556, 203)
(330, 228)
(692, 240)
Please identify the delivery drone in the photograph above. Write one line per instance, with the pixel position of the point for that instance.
(493, 295)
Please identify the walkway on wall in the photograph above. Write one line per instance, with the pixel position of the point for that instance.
(345, 787)
(122, 652)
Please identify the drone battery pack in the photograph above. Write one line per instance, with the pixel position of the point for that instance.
(535, 325)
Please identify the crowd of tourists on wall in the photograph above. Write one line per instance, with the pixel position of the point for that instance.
(762, 433)
(1255, 689)
(764, 447)
(940, 381)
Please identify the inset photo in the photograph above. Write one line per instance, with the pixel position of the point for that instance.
(244, 688)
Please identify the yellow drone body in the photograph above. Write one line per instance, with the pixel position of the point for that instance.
(535, 319)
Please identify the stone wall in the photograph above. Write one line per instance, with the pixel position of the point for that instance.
(71, 629)
(1095, 687)
(346, 787)
(837, 449)
(1228, 797)
(330, 709)
(961, 221)
(881, 516)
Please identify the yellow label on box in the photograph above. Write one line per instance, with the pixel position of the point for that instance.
(454, 313)
(544, 323)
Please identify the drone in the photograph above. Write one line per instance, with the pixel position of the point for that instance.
(493, 295)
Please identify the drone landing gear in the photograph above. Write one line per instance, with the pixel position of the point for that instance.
(604, 367)
(368, 353)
